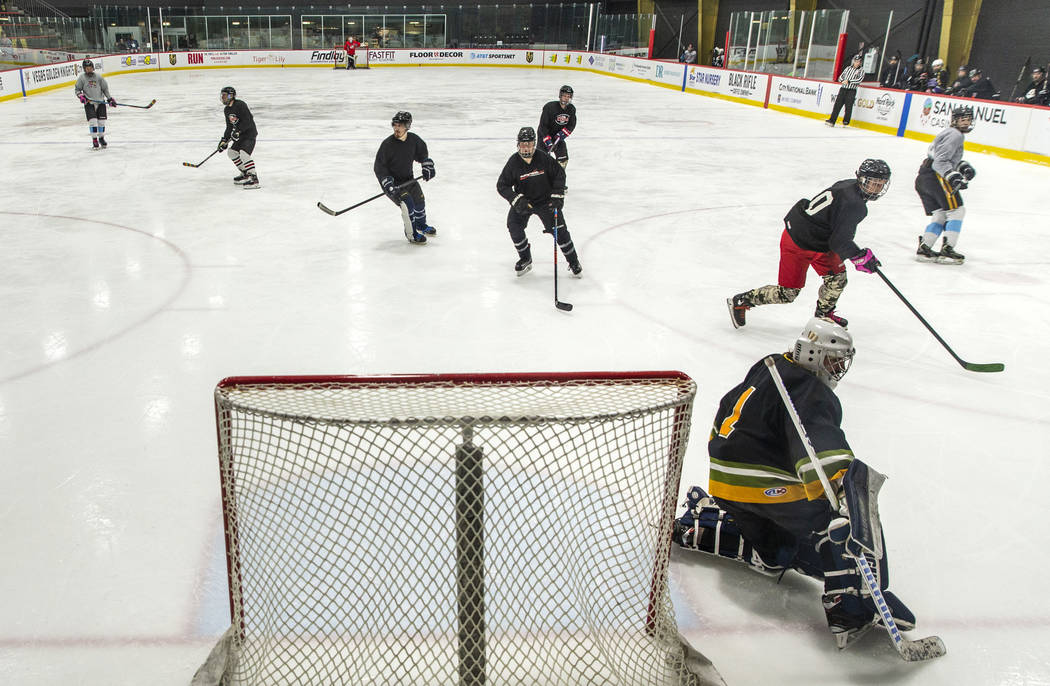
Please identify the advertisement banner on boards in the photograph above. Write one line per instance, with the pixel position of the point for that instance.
(1037, 138)
(36, 78)
(994, 123)
(728, 82)
(10, 83)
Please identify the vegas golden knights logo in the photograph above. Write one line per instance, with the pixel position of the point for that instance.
(528, 56)
(172, 58)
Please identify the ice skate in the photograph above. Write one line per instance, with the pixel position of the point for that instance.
(831, 316)
(575, 267)
(252, 183)
(925, 253)
(102, 141)
(242, 178)
(829, 123)
(429, 230)
(738, 308)
(523, 266)
(949, 256)
(94, 144)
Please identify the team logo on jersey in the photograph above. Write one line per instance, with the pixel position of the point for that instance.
(538, 172)
(173, 58)
(561, 119)
(775, 492)
(528, 56)
(233, 119)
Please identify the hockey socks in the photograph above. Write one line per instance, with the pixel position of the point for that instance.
(932, 233)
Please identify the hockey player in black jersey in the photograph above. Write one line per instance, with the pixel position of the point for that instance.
(819, 232)
(535, 184)
(393, 167)
(767, 506)
(557, 122)
(240, 129)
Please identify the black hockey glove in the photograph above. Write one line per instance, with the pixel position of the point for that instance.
(548, 143)
(235, 135)
(520, 205)
(428, 169)
(956, 181)
(966, 169)
(388, 187)
(558, 200)
(223, 144)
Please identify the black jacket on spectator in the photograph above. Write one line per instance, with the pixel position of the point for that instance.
(1035, 93)
(981, 88)
(959, 86)
(891, 75)
(918, 81)
(938, 80)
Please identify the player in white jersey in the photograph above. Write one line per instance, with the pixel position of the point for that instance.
(941, 176)
(93, 91)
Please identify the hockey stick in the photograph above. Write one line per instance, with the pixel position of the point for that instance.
(969, 366)
(911, 651)
(141, 107)
(191, 164)
(563, 306)
(335, 213)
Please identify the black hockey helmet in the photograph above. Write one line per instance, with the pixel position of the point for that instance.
(960, 113)
(526, 134)
(565, 89)
(87, 63)
(873, 177)
(227, 95)
(402, 118)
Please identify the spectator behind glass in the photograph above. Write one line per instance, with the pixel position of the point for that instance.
(688, 55)
(892, 73)
(718, 57)
(1036, 93)
(919, 77)
(938, 81)
(981, 87)
(961, 83)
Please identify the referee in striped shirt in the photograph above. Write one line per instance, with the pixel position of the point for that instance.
(850, 78)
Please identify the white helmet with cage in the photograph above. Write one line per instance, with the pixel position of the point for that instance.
(824, 348)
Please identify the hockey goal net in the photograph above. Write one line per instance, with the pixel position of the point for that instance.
(340, 61)
(453, 529)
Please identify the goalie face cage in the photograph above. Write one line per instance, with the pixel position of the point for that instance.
(452, 529)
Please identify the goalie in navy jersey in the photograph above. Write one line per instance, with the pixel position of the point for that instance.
(239, 137)
(767, 507)
(393, 169)
(820, 232)
(535, 184)
(557, 122)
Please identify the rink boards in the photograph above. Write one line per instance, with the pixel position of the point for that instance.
(1010, 130)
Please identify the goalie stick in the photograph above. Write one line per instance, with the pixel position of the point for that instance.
(563, 306)
(191, 164)
(335, 213)
(911, 651)
(969, 366)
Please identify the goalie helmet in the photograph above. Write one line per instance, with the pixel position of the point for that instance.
(402, 118)
(960, 113)
(228, 94)
(826, 349)
(873, 177)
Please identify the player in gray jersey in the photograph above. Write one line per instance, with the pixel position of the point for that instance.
(93, 91)
(941, 176)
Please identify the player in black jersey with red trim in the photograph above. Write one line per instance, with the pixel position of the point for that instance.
(240, 128)
(767, 506)
(557, 122)
(393, 167)
(819, 232)
(535, 184)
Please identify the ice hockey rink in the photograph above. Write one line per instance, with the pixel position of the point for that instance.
(132, 284)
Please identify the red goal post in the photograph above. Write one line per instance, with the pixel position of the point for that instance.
(360, 57)
(456, 529)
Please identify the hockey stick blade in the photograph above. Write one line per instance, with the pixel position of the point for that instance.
(564, 307)
(327, 210)
(911, 651)
(191, 164)
(969, 366)
(141, 107)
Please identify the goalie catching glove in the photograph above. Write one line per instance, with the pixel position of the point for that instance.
(428, 169)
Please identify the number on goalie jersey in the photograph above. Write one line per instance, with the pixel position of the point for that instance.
(767, 506)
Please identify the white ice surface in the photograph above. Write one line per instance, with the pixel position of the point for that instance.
(131, 284)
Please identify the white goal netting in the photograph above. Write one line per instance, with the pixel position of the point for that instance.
(469, 530)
